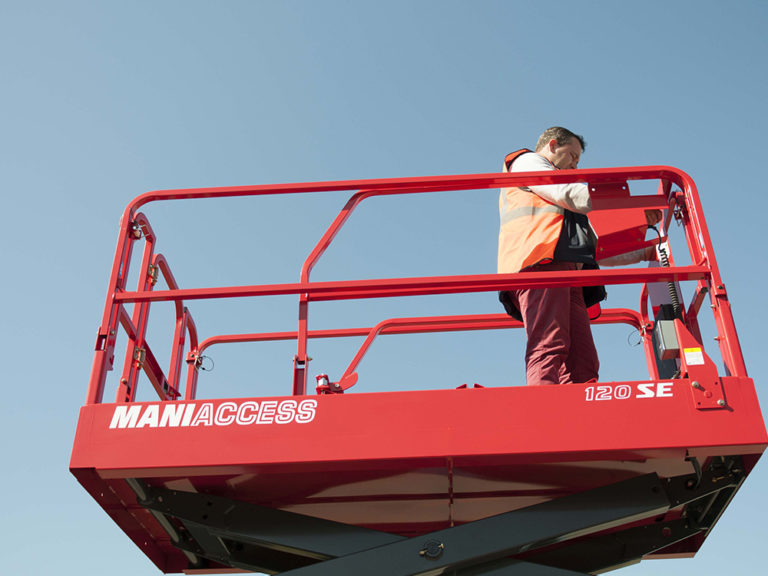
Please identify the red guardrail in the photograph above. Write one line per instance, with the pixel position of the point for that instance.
(609, 189)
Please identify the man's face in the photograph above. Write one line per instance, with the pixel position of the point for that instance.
(567, 156)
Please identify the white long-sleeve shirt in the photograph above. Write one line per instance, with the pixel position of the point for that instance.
(573, 196)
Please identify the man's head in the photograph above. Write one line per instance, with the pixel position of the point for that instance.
(561, 147)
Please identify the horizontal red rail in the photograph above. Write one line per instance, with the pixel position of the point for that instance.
(417, 326)
(348, 289)
(427, 184)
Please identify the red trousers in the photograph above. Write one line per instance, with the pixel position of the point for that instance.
(560, 348)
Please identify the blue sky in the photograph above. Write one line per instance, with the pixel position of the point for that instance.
(102, 101)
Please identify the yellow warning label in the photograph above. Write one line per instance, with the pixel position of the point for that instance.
(693, 356)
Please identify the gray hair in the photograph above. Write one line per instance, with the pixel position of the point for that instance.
(561, 135)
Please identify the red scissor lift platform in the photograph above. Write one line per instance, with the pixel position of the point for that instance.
(514, 480)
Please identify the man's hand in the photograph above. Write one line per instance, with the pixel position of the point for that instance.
(653, 217)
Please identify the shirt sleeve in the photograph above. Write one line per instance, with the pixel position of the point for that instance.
(574, 196)
(624, 259)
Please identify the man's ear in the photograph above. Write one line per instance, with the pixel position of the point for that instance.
(552, 144)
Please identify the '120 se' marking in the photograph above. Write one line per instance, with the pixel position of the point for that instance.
(625, 391)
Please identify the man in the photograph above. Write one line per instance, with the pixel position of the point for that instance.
(546, 228)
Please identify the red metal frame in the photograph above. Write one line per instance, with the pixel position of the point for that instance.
(352, 439)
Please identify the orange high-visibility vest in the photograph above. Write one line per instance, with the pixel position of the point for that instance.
(530, 226)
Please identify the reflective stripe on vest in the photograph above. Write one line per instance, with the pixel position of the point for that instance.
(530, 227)
(522, 211)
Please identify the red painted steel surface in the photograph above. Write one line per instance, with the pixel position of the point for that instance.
(409, 462)
(645, 420)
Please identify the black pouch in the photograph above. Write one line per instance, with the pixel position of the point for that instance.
(509, 306)
(593, 294)
(577, 243)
